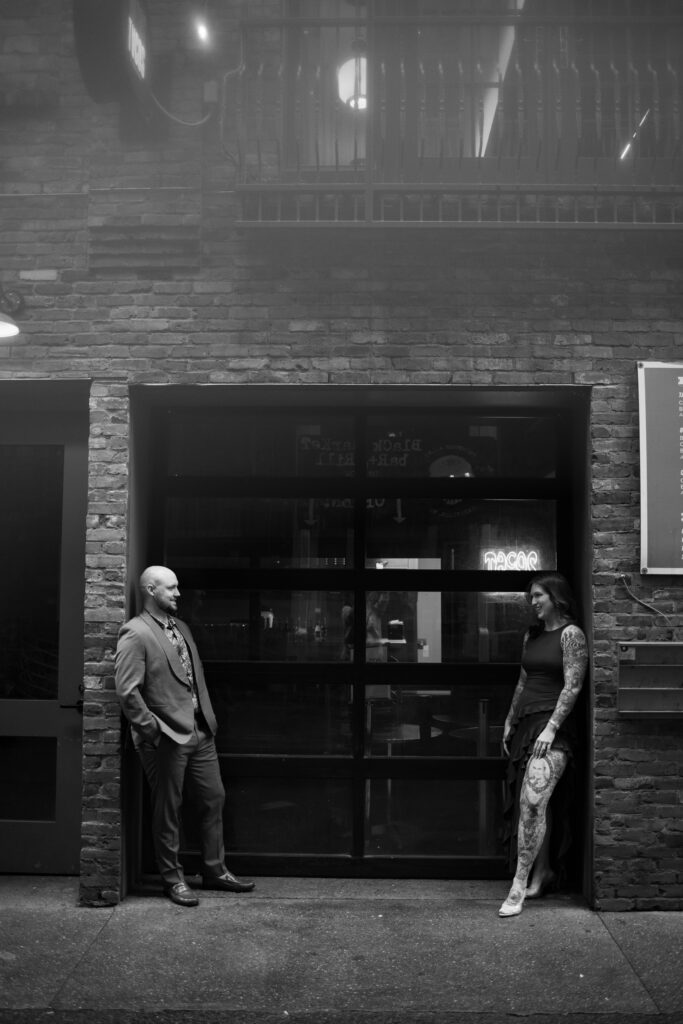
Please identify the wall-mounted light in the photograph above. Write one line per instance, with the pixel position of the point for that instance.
(202, 30)
(11, 303)
(352, 78)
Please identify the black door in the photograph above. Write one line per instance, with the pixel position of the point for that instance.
(43, 469)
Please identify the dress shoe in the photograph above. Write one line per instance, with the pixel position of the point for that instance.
(227, 882)
(540, 887)
(513, 904)
(181, 894)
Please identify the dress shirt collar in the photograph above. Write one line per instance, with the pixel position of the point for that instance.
(169, 624)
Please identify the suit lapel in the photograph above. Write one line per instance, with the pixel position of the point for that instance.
(159, 635)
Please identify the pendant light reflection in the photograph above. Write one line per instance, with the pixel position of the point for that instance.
(352, 79)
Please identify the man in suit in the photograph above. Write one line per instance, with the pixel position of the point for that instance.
(160, 683)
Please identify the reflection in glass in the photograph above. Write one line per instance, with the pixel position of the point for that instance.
(433, 817)
(435, 721)
(332, 78)
(259, 533)
(273, 717)
(441, 445)
(288, 815)
(269, 625)
(28, 785)
(461, 534)
(30, 543)
(216, 443)
(418, 627)
(430, 627)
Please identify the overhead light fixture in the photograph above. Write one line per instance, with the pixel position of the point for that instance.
(352, 78)
(11, 303)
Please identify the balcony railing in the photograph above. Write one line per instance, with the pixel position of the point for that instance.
(435, 113)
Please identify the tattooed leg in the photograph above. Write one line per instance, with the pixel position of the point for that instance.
(541, 873)
(540, 778)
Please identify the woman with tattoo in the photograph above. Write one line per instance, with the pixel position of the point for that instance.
(540, 737)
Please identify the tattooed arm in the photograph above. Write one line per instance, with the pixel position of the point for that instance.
(574, 663)
(521, 682)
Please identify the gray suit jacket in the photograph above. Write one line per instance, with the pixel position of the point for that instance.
(152, 685)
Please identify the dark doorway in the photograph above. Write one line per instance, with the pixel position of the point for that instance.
(43, 468)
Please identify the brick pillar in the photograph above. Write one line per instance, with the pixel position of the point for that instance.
(105, 577)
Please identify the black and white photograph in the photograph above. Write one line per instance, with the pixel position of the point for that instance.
(341, 511)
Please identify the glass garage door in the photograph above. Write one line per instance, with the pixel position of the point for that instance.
(354, 578)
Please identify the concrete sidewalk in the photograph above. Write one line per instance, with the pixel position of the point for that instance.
(332, 950)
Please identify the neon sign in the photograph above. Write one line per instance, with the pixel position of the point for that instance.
(520, 561)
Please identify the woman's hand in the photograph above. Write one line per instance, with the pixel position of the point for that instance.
(544, 741)
(505, 743)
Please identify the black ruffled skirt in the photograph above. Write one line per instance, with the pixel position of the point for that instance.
(562, 802)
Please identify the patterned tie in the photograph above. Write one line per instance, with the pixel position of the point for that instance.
(178, 641)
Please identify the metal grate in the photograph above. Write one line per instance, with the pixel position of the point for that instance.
(467, 206)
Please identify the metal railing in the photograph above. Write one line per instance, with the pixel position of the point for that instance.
(508, 118)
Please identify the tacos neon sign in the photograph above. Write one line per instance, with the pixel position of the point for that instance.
(521, 561)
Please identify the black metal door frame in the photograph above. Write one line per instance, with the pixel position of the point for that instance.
(566, 404)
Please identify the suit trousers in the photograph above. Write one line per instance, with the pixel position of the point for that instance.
(169, 767)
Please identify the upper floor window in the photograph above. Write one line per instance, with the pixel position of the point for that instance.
(425, 90)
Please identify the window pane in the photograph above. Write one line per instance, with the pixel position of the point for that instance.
(279, 815)
(259, 533)
(436, 721)
(32, 760)
(445, 533)
(327, 110)
(429, 627)
(441, 445)
(268, 444)
(269, 625)
(30, 548)
(271, 717)
(439, 817)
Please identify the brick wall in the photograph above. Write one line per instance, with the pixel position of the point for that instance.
(105, 574)
(495, 308)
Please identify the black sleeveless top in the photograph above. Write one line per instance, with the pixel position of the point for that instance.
(543, 663)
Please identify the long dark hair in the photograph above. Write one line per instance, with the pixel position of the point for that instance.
(560, 593)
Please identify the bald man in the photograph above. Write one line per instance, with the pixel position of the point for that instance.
(161, 687)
